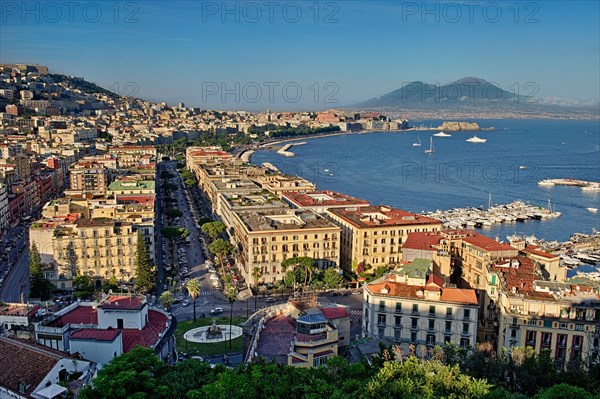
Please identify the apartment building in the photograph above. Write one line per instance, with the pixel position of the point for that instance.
(546, 315)
(89, 177)
(266, 238)
(373, 235)
(99, 248)
(4, 210)
(411, 306)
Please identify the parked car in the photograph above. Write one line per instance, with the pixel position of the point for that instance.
(271, 299)
(185, 303)
(216, 310)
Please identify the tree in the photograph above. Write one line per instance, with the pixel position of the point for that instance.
(166, 299)
(231, 293)
(131, 375)
(145, 273)
(220, 248)
(40, 286)
(84, 286)
(189, 182)
(332, 278)
(255, 276)
(172, 233)
(213, 229)
(194, 289)
(173, 213)
(303, 267)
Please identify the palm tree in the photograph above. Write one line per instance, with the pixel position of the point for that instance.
(230, 292)
(255, 277)
(194, 289)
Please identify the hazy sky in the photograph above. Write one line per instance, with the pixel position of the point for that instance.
(307, 54)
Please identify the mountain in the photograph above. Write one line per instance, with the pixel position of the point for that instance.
(464, 92)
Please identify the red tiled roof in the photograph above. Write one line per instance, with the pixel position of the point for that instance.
(123, 302)
(521, 278)
(135, 199)
(80, 315)
(435, 280)
(532, 249)
(25, 363)
(96, 334)
(146, 336)
(459, 295)
(334, 313)
(337, 199)
(359, 217)
(487, 243)
(422, 241)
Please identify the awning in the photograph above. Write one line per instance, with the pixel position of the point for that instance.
(52, 391)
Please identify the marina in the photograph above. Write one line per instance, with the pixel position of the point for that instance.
(516, 211)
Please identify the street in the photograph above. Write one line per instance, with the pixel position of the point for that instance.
(14, 270)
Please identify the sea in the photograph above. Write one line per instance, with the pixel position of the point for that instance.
(385, 168)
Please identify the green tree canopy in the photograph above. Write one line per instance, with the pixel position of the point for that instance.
(173, 213)
(40, 286)
(145, 273)
(173, 233)
(166, 299)
(220, 248)
(213, 229)
(332, 278)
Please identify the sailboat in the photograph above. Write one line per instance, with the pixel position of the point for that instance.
(430, 150)
(418, 143)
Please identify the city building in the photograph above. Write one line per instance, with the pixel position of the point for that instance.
(35, 371)
(373, 235)
(411, 306)
(102, 330)
(266, 238)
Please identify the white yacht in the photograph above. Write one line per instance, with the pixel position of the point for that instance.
(442, 134)
(418, 143)
(593, 210)
(476, 139)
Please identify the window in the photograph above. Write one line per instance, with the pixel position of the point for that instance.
(546, 339)
(448, 327)
(494, 279)
(381, 332)
(577, 339)
(467, 314)
(513, 333)
(413, 337)
(430, 339)
(380, 318)
(447, 339)
(431, 324)
(464, 342)
(415, 309)
(579, 327)
(432, 310)
(530, 338)
(397, 335)
(465, 329)
(397, 321)
(381, 305)
(398, 307)
(562, 340)
(449, 312)
(414, 322)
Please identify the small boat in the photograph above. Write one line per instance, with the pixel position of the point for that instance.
(522, 167)
(418, 143)
(546, 182)
(325, 170)
(476, 139)
(442, 134)
(593, 210)
(430, 150)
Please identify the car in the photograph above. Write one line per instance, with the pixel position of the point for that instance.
(356, 293)
(271, 300)
(185, 303)
(216, 311)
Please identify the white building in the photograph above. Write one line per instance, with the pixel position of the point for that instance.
(412, 306)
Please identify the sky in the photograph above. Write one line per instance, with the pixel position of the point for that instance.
(307, 54)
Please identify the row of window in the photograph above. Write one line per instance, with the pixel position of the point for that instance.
(399, 232)
(430, 339)
(285, 247)
(264, 240)
(416, 309)
(429, 324)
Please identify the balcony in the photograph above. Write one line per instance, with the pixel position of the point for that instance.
(415, 312)
(449, 316)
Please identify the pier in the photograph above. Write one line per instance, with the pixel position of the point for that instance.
(284, 150)
(585, 185)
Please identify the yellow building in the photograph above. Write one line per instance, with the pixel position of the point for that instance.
(315, 341)
(560, 317)
(373, 235)
(99, 248)
(266, 238)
